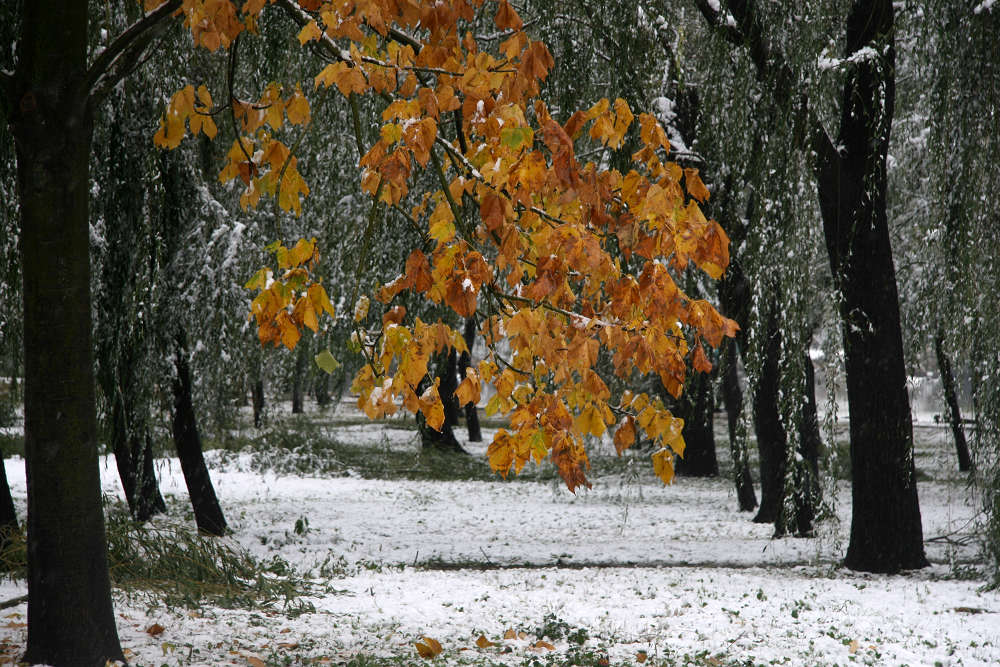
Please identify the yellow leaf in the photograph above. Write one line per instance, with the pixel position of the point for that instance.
(663, 465)
(695, 187)
(468, 390)
(429, 648)
(297, 108)
(590, 421)
(310, 32)
(442, 223)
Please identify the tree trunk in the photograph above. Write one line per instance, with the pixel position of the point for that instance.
(207, 512)
(8, 514)
(322, 390)
(697, 408)
(297, 372)
(464, 361)
(771, 438)
(732, 396)
(886, 533)
(70, 616)
(951, 400)
(149, 500)
(257, 391)
(807, 489)
(444, 440)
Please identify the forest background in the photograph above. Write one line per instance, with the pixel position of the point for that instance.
(743, 91)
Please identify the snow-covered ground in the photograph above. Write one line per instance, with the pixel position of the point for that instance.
(630, 570)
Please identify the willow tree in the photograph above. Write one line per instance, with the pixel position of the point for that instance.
(850, 177)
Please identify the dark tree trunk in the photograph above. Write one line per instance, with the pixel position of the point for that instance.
(149, 501)
(70, 616)
(886, 534)
(806, 484)
(464, 361)
(134, 460)
(771, 438)
(697, 408)
(8, 514)
(207, 512)
(322, 390)
(789, 479)
(257, 391)
(297, 375)
(732, 396)
(444, 440)
(951, 400)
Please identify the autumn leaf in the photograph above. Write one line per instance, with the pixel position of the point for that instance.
(483, 642)
(155, 630)
(663, 465)
(309, 33)
(428, 648)
(326, 361)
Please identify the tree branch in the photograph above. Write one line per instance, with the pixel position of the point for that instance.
(746, 30)
(107, 66)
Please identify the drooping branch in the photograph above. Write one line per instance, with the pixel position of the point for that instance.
(116, 61)
(740, 24)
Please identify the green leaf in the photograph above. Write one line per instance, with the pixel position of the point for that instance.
(326, 361)
(515, 137)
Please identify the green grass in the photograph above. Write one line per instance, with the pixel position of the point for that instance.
(177, 566)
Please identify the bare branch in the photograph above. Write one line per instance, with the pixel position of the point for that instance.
(107, 69)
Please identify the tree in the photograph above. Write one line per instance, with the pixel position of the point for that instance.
(546, 221)
(50, 98)
(850, 174)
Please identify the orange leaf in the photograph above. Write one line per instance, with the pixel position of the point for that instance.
(155, 630)
(663, 465)
(507, 18)
(483, 642)
(429, 648)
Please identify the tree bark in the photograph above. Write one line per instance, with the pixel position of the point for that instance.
(732, 396)
(951, 401)
(207, 512)
(444, 440)
(297, 372)
(257, 391)
(886, 533)
(697, 408)
(8, 513)
(771, 438)
(70, 616)
(322, 390)
(464, 361)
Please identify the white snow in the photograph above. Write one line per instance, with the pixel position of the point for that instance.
(673, 571)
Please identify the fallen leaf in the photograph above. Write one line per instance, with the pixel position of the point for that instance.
(155, 630)
(255, 662)
(483, 642)
(852, 648)
(429, 648)
(510, 634)
(544, 644)
(641, 656)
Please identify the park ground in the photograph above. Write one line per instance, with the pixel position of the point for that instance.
(349, 546)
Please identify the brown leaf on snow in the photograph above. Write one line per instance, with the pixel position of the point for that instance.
(155, 630)
(428, 648)
(483, 642)
(510, 634)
